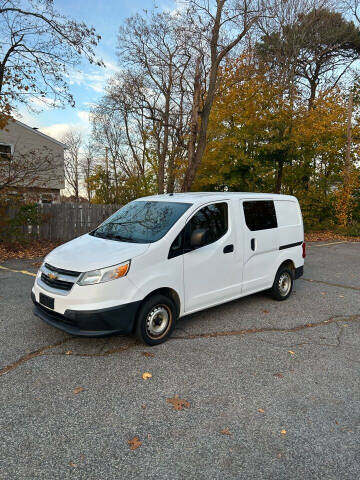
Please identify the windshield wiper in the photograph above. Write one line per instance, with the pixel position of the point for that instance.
(123, 239)
(108, 236)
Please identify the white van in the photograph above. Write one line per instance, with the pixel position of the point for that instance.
(162, 257)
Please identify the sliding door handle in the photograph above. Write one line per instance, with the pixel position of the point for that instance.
(228, 248)
(252, 244)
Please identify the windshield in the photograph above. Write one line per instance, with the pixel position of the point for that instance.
(141, 221)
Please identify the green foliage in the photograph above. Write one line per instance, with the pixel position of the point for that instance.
(260, 140)
(123, 190)
(15, 222)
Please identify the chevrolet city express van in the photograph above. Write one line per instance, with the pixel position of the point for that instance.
(162, 257)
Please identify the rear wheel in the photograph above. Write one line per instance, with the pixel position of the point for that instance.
(156, 319)
(283, 284)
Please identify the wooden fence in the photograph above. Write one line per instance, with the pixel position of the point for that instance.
(65, 221)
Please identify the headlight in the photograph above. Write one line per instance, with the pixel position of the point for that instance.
(104, 274)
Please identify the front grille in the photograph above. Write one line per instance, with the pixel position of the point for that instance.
(63, 279)
(55, 283)
(70, 273)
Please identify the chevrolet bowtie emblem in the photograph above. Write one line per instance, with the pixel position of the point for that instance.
(52, 276)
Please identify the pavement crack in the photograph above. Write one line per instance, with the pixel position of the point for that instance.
(248, 331)
(111, 351)
(339, 335)
(36, 353)
(331, 284)
(43, 352)
(102, 353)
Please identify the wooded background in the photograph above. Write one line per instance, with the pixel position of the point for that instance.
(218, 95)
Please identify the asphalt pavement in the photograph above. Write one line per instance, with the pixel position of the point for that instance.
(263, 389)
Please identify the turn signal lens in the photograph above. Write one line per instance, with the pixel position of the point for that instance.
(121, 271)
(304, 249)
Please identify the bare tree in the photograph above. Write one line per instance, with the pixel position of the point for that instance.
(73, 141)
(87, 165)
(154, 47)
(217, 26)
(38, 46)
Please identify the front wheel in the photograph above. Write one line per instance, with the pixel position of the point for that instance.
(283, 284)
(156, 320)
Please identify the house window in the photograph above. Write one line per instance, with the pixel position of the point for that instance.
(5, 152)
(46, 199)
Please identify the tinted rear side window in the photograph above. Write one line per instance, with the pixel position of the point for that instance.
(260, 215)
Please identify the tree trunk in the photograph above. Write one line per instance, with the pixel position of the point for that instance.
(312, 95)
(347, 170)
(216, 55)
(279, 176)
(164, 150)
(194, 123)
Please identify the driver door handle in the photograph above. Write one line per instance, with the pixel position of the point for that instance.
(228, 248)
(252, 244)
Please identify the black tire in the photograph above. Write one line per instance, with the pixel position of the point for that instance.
(283, 284)
(156, 309)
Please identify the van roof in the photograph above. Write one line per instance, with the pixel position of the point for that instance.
(203, 197)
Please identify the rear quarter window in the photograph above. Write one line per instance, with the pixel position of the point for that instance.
(260, 215)
(288, 213)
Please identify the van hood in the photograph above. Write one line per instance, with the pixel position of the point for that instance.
(87, 253)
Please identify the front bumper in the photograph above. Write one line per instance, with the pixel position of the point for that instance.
(90, 323)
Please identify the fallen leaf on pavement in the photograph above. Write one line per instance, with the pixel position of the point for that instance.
(148, 354)
(134, 443)
(78, 390)
(178, 403)
(69, 352)
(226, 431)
(146, 375)
(72, 464)
(291, 352)
(283, 432)
(265, 311)
(261, 410)
(279, 375)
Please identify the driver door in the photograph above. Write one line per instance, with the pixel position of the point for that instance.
(211, 275)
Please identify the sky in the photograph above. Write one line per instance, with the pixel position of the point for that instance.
(87, 83)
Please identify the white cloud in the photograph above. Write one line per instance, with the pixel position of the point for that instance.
(83, 115)
(58, 130)
(27, 117)
(95, 79)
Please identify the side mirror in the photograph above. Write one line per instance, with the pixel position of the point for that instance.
(199, 237)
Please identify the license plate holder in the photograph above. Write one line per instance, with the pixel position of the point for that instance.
(47, 301)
